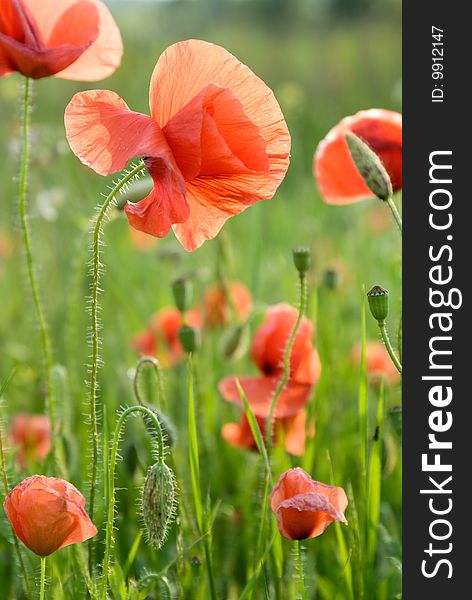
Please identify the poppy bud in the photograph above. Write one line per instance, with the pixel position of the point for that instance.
(301, 259)
(331, 279)
(235, 341)
(182, 290)
(378, 302)
(159, 502)
(370, 167)
(188, 337)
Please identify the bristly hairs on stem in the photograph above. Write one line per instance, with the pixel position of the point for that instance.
(132, 173)
(6, 489)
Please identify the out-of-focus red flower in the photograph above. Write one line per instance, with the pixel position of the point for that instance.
(378, 363)
(72, 39)
(338, 179)
(161, 338)
(47, 514)
(267, 349)
(304, 508)
(31, 434)
(217, 307)
(215, 143)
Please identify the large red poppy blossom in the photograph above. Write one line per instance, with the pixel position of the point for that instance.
(31, 434)
(218, 306)
(338, 179)
(267, 350)
(47, 514)
(215, 143)
(161, 338)
(304, 508)
(72, 39)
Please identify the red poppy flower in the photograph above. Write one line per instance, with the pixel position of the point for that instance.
(268, 348)
(161, 339)
(47, 514)
(304, 508)
(338, 179)
(72, 39)
(32, 435)
(378, 363)
(216, 304)
(215, 143)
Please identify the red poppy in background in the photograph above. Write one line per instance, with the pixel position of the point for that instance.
(47, 514)
(378, 363)
(217, 307)
(338, 179)
(215, 143)
(267, 350)
(72, 39)
(304, 508)
(161, 338)
(31, 434)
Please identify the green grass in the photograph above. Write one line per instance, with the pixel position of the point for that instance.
(320, 73)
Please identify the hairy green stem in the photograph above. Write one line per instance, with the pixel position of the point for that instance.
(94, 334)
(33, 281)
(388, 345)
(301, 572)
(154, 363)
(395, 213)
(286, 370)
(159, 451)
(43, 578)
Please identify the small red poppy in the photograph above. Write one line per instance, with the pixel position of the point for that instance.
(338, 179)
(47, 514)
(267, 349)
(215, 143)
(217, 305)
(31, 434)
(304, 508)
(378, 363)
(72, 39)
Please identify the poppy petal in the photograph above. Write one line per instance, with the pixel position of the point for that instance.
(259, 392)
(338, 179)
(182, 72)
(102, 57)
(296, 435)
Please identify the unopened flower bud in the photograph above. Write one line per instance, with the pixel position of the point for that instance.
(370, 167)
(189, 338)
(378, 302)
(331, 279)
(159, 502)
(182, 290)
(301, 259)
(235, 341)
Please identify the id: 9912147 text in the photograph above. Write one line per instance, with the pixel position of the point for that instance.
(437, 66)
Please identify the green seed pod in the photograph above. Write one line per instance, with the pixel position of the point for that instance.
(235, 342)
(378, 302)
(159, 502)
(301, 259)
(182, 290)
(331, 279)
(189, 338)
(370, 167)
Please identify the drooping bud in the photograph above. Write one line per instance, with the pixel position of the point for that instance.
(235, 341)
(301, 259)
(159, 502)
(331, 279)
(189, 338)
(182, 290)
(378, 302)
(370, 167)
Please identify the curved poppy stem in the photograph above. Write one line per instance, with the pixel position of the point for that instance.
(154, 363)
(94, 331)
(286, 371)
(388, 345)
(395, 213)
(32, 277)
(43, 578)
(159, 454)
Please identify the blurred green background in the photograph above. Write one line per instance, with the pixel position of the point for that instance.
(324, 59)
